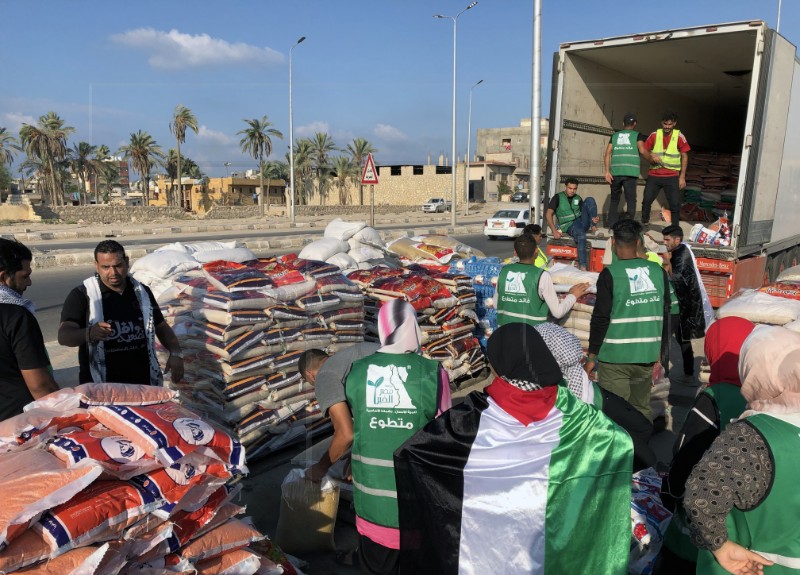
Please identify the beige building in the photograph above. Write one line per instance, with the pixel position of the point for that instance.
(512, 146)
(198, 197)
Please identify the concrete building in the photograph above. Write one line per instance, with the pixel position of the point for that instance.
(199, 196)
(510, 147)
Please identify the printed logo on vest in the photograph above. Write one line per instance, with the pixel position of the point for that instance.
(193, 431)
(386, 388)
(624, 139)
(639, 280)
(515, 282)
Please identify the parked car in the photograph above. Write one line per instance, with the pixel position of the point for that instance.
(436, 205)
(520, 197)
(506, 224)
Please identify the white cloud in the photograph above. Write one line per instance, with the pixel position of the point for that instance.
(213, 136)
(389, 133)
(13, 121)
(309, 130)
(175, 50)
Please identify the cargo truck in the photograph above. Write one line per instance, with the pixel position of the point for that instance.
(736, 90)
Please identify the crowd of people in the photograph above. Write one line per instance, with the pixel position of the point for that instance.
(531, 474)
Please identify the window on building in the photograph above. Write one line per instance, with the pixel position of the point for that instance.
(492, 176)
(444, 169)
(504, 178)
(506, 143)
(418, 170)
(395, 170)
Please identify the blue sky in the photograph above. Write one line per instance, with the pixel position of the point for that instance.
(379, 69)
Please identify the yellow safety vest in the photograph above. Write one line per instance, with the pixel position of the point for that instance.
(671, 157)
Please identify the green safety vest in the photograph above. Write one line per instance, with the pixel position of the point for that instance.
(729, 404)
(392, 396)
(625, 154)
(671, 157)
(637, 313)
(568, 210)
(674, 304)
(518, 297)
(541, 259)
(770, 528)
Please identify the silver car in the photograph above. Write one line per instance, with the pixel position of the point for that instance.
(506, 223)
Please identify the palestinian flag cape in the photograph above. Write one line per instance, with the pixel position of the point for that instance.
(479, 492)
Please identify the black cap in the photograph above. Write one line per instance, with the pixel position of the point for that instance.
(629, 119)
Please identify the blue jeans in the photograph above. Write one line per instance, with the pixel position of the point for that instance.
(579, 228)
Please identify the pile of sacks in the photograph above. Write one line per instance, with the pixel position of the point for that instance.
(432, 251)
(445, 306)
(348, 245)
(775, 304)
(110, 478)
(243, 326)
(484, 273)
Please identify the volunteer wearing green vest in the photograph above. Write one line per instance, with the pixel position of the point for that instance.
(669, 154)
(576, 217)
(623, 167)
(525, 293)
(716, 406)
(630, 322)
(392, 393)
(742, 502)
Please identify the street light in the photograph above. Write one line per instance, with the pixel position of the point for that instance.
(469, 134)
(454, 159)
(291, 131)
(227, 165)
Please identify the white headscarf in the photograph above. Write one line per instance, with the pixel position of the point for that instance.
(398, 329)
(769, 367)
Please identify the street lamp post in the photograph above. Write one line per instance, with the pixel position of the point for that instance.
(291, 132)
(466, 163)
(454, 159)
(227, 165)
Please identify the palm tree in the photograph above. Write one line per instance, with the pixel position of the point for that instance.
(8, 145)
(344, 169)
(47, 142)
(82, 164)
(182, 119)
(359, 149)
(143, 152)
(303, 152)
(108, 174)
(275, 171)
(101, 155)
(322, 147)
(257, 141)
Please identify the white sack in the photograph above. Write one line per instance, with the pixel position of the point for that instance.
(341, 230)
(237, 255)
(163, 264)
(321, 250)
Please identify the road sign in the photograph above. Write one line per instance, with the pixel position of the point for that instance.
(370, 175)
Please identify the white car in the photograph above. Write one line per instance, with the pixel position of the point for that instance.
(506, 224)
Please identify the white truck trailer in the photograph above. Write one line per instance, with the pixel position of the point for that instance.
(736, 90)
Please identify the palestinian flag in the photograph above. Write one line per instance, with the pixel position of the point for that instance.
(480, 492)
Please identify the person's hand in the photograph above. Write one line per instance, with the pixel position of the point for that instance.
(681, 182)
(557, 234)
(316, 472)
(596, 219)
(666, 257)
(589, 366)
(175, 367)
(609, 177)
(579, 289)
(100, 331)
(740, 561)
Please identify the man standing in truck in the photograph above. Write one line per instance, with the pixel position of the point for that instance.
(623, 166)
(668, 155)
(576, 217)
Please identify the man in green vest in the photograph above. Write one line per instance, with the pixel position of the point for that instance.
(576, 217)
(623, 167)
(668, 155)
(525, 292)
(629, 329)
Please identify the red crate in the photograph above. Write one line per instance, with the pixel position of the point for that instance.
(596, 260)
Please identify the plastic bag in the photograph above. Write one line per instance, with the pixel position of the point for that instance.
(308, 513)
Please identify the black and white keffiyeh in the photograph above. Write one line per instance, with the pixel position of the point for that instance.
(8, 295)
(567, 351)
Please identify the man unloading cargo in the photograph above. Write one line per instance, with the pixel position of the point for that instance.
(623, 167)
(668, 155)
(576, 217)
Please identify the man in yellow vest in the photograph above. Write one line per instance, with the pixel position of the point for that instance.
(669, 156)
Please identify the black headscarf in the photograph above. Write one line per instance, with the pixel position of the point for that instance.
(518, 354)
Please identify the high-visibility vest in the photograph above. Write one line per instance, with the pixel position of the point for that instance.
(624, 154)
(568, 210)
(671, 157)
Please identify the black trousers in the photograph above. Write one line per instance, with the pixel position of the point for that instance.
(672, 190)
(685, 344)
(618, 185)
(375, 559)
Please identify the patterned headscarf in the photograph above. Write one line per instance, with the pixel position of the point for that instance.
(769, 367)
(518, 354)
(566, 349)
(398, 329)
(8, 295)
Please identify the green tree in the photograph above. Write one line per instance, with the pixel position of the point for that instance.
(143, 152)
(303, 167)
(359, 149)
(344, 170)
(182, 119)
(101, 156)
(83, 164)
(275, 171)
(322, 147)
(5, 177)
(257, 142)
(47, 142)
(8, 145)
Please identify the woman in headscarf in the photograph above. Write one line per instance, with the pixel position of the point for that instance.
(392, 393)
(742, 501)
(715, 407)
(567, 351)
(522, 477)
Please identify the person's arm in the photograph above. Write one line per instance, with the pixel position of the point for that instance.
(682, 176)
(169, 340)
(666, 317)
(607, 160)
(547, 291)
(445, 399)
(73, 330)
(551, 223)
(340, 444)
(601, 318)
(39, 381)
